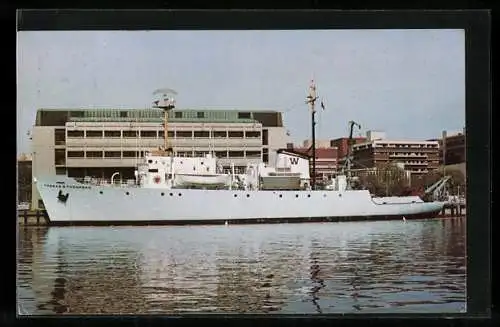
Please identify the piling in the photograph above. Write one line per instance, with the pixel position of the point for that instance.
(453, 210)
(32, 218)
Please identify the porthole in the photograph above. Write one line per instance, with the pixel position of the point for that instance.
(127, 193)
(324, 195)
(280, 195)
(296, 195)
(248, 195)
(235, 195)
(100, 192)
(309, 195)
(340, 195)
(162, 194)
(171, 194)
(180, 194)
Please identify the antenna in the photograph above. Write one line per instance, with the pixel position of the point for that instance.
(166, 102)
(311, 100)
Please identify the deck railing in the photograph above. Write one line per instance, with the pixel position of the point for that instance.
(107, 182)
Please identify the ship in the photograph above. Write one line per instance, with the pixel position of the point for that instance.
(169, 189)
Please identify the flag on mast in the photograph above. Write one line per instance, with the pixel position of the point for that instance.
(322, 105)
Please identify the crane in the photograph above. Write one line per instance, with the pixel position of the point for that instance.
(352, 124)
(435, 191)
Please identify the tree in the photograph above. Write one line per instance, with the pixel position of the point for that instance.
(388, 180)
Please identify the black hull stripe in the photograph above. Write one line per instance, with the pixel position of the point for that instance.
(245, 221)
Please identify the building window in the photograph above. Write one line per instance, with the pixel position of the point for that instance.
(76, 172)
(253, 154)
(265, 155)
(59, 136)
(148, 134)
(178, 114)
(200, 114)
(184, 134)
(236, 154)
(97, 134)
(77, 114)
(235, 134)
(221, 154)
(161, 134)
(265, 137)
(252, 134)
(60, 157)
(200, 154)
(130, 134)
(201, 134)
(129, 154)
(76, 154)
(220, 134)
(116, 134)
(112, 154)
(123, 114)
(60, 171)
(93, 154)
(76, 133)
(244, 115)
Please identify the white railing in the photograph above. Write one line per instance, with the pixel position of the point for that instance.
(106, 182)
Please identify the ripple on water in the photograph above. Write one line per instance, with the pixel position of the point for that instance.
(309, 268)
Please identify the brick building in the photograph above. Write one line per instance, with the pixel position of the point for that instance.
(342, 144)
(452, 148)
(326, 161)
(24, 178)
(417, 157)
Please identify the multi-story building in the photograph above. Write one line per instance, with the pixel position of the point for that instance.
(24, 164)
(326, 161)
(100, 142)
(452, 148)
(319, 143)
(342, 144)
(416, 156)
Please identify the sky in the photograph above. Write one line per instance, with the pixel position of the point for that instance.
(408, 83)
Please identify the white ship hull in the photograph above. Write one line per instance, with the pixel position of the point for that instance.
(93, 205)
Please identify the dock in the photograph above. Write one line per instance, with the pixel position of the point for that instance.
(32, 218)
(454, 209)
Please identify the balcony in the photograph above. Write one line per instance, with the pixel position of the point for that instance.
(155, 142)
(416, 163)
(101, 162)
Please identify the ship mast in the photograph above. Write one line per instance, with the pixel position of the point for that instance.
(311, 100)
(166, 103)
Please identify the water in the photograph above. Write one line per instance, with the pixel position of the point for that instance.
(362, 267)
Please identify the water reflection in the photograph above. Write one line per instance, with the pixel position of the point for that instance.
(312, 268)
